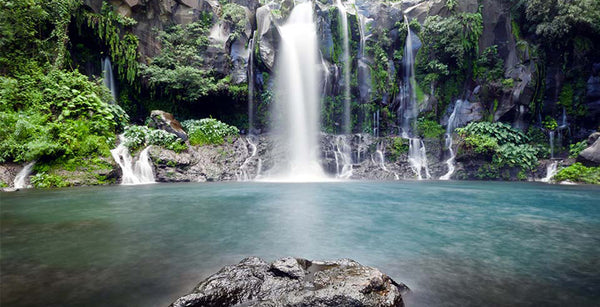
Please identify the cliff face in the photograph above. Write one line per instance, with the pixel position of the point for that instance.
(377, 36)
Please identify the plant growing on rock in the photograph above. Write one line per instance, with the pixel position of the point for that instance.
(208, 131)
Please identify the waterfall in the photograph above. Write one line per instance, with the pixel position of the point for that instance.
(453, 123)
(408, 111)
(251, 85)
(108, 78)
(519, 121)
(343, 159)
(551, 136)
(417, 157)
(408, 105)
(551, 170)
(376, 124)
(244, 174)
(381, 161)
(364, 71)
(296, 108)
(346, 122)
(20, 181)
(139, 172)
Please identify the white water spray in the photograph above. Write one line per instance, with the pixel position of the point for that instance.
(20, 181)
(551, 170)
(453, 123)
(108, 79)
(138, 172)
(297, 105)
(408, 104)
(417, 157)
(381, 161)
(244, 174)
(343, 159)
(251, 85)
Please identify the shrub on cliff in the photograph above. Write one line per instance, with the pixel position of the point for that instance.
(208, 131)
(579, 173)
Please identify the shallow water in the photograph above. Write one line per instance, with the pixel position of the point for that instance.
(452, 243)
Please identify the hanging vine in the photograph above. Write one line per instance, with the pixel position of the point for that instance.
(108, 26)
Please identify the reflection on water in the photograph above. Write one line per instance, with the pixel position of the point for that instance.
(454, 244)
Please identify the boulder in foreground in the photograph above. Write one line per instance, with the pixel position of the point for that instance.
(296, 282)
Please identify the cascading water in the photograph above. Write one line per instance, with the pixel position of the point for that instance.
(453, 123)
(296, 109)
(251, 85)
(139, 172)
(380, 155)
(551, 170)
(244, 174)
(108, 78)
(343, 159)
(346, 123)
(417, 157)
(408, 111)
(364, 71)
(20, 181)
(408, 104)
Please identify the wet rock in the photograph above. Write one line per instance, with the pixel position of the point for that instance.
(165, 121)
(296, 282)
(591, 155)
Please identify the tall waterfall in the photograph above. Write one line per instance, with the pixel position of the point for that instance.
(138, 172)
(408, 104)
(20, 181)
(108, 79)
(453, 123)
(297, 105)
(408, 111)
(251, 85)
(346, 122)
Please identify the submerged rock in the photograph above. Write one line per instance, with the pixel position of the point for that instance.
(296, 282)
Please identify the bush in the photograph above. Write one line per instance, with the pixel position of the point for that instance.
(138, 136)
(481, 144)
(429, 129)
(208, 131)
(524, 156)
(575, 149)
(579, 173)
(44, 180)
(503, 133)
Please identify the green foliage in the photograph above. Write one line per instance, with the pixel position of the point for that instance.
(575, 149)
(109, 27)
(579, 173)
(44, 180)
(429, 129)
(523, 155)
(503, 133)
(136, 137)
(488, 172)
(54, 115)
(180, 72)
(398, 147)
(235, 14)
(451, 4)
(489, 67)
(481, 144)
(557, 21)
(550, 123)
(208, 131)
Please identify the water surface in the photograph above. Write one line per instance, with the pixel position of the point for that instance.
(452, 243)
